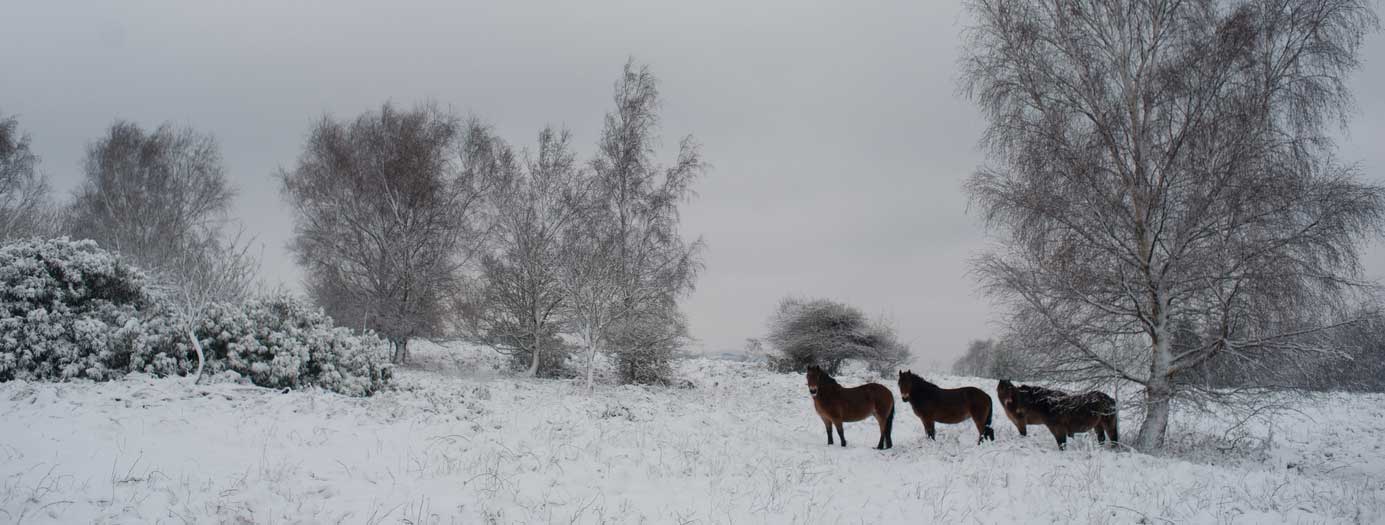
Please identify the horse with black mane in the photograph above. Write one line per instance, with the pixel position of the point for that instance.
(1006, 392)
(946, 405)
(1063, 414)
(836, 404)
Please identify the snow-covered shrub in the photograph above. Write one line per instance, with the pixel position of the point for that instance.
(827, 333)
(72, 310)
(284, 342)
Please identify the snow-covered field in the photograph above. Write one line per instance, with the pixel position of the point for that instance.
(463, 443)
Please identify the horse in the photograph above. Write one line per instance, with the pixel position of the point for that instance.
(946, 405)
(1005, 392)
(836, 404)
(1065, 415)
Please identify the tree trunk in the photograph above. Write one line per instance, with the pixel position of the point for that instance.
(1157, 395)
(201, 357)
(401, 351)
(1151, 436)
(591, 363)
(534, 362)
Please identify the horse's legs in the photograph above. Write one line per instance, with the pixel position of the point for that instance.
(880, 421)
(1023, 428)
(928, 428)
(980, 428)
(889, 429)
(1110, 423)
(1100, 429)
(827, 423)
(839, 432)
(1060, 434)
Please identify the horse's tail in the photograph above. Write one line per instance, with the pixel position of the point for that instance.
(990, 431)
(889, 422)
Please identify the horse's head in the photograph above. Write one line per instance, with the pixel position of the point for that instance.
(1010, 397)
(815, 376)
(906, 384)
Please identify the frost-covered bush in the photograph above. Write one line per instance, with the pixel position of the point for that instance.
(70, 310)
(827, 333)
(284, 342)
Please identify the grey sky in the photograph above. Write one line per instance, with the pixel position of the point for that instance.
(837, 139)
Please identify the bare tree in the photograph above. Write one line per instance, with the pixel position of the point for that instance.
(519, 310)
(1166, 159)
(1364, 368)
(384, 212)
(161, 199)
(979, 360)
(24, 207)
(153, 196)
(632, 264)
(995, 359)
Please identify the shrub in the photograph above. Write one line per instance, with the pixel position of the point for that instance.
(553, 359)
(283, 342)
(75, 311)
(72, 310)
(827, 333)
(644, 346)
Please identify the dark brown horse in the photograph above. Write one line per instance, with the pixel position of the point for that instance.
(1064, 415)
(836, 404)
(1005, 392)
(934, 404)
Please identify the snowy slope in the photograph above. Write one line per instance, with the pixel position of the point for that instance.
(464, 443)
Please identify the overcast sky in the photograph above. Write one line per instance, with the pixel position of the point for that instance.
(838, 140)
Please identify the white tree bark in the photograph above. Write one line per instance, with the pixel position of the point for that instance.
(201, 357)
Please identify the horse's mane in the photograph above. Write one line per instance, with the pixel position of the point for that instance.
(1052, 401)
(1041, 391)
(826, 378)
(915, 380)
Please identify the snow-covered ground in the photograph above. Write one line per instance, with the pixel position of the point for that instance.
(460, 442)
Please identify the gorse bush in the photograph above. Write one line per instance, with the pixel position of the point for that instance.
(74, 311)
(284, 342)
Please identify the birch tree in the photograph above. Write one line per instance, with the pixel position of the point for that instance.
(24, 208)
(161, 200)
(1158, 160)
(522, 297)
(151, 196)
(385, 212)
(632, 264)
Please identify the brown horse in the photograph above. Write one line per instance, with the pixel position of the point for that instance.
(836, 404)
(946, 405)
(1065, 415)
(1005, 392)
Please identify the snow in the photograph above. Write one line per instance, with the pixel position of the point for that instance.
(460, 441)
